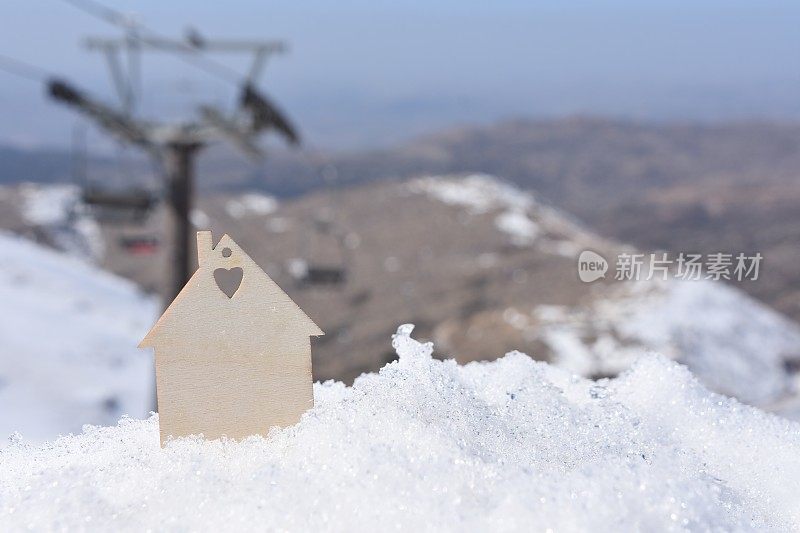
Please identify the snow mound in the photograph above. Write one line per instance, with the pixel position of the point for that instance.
(68, 339)
(430, 445)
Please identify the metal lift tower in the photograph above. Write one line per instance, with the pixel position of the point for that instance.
(175, 145)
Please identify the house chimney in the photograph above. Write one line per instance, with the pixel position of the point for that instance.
(204, 246)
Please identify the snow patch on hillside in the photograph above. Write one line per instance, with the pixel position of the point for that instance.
(68, 336)
(252, 203)
(734, 344)
(518, 226)
(56, 210)
(199, 219)
(523, 219)
(480, 193)
(428, 445)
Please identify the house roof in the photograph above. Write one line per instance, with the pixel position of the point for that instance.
(258, 307)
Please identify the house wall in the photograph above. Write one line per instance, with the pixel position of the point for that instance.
(233, 394)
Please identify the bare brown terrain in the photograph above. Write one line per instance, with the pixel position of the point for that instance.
(679, 187)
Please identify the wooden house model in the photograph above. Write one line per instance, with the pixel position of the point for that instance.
(230, 364)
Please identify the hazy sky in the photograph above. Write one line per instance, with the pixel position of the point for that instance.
(373, 72)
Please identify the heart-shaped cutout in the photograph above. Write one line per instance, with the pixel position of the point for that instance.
(228, 280)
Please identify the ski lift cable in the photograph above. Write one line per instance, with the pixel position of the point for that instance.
(98, 10)
(28, 71)
(140, 33)
(23, 69)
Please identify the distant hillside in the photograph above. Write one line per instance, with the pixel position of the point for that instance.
(43, 166)
(480, 266)
(731, 187)
(582, 164)
(679, 187)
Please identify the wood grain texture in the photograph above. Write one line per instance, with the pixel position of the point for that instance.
(231, 366)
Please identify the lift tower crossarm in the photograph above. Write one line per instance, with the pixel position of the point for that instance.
(116, 122)
(193, 43)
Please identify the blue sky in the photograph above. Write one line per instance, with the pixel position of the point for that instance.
(366, 73)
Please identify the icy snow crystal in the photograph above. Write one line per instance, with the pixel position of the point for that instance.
(429, 445)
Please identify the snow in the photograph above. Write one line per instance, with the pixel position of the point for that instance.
(428, 445)
(47, 204)
(297, 267)
(68, 339)
(519, 215)
(278, 224)
(734, 344)
(251, 204)
(56, 209)
(199, 218)
(480, 193)
(522, 229)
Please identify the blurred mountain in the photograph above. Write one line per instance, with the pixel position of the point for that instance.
(692, 188)
(567, 160)
(39, 165)
(481, 266)
(732, 187)
(678, 187)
